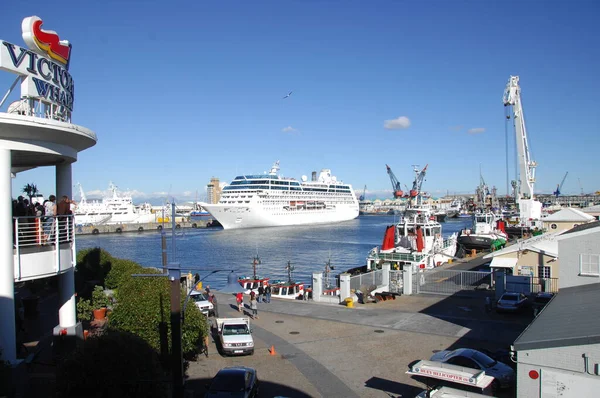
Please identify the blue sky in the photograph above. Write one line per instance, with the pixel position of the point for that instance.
(178, 92)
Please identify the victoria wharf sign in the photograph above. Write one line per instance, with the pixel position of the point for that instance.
(43, 66)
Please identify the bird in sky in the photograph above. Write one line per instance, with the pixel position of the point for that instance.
(290, 93)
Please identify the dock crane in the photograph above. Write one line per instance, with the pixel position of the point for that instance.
(559, 186)
(396, 187)
(362, 197)
(530, 209)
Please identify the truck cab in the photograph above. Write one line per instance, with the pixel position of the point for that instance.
(235, 336)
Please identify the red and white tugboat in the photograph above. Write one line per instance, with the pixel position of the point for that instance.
(252, 283)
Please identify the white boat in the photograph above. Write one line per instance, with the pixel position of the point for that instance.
(270, 200)
(416, 239)
(112, 209)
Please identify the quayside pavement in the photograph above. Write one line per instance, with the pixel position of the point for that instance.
(325, 350)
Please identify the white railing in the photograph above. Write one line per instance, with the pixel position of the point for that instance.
(41, 231)
(41, 109)
(33, 236)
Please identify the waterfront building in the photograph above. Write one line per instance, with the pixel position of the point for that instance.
(213, 190)
(36, 130)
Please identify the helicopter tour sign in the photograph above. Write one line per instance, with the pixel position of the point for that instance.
(43, 66)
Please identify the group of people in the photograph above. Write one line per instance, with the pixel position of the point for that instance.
(47, 212)
(263, 296)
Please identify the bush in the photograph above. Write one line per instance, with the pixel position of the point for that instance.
(99, 298)
(121, 271)
(114, 364)
(84, 309)
(143, 303)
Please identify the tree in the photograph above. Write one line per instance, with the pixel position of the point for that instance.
(30, 190)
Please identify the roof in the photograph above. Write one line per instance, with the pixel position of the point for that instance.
(504, 262)
(545, 243)
(583, 227)
(568, 214)
(591, 209)
(565, 321)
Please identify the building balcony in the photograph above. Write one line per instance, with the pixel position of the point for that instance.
(43, 246)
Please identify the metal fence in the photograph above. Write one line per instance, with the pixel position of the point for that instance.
(448, 282)
(367, 279)
(530, 284)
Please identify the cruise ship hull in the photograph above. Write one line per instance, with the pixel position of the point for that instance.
(237, 217)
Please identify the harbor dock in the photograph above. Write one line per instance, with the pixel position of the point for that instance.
(139, 227)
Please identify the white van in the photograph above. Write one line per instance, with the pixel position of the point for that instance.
(449, 381)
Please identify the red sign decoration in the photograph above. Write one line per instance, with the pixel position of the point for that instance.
(45, 41)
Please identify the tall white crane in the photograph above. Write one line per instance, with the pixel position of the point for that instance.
(529, 208)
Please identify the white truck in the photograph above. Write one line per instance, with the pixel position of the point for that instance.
(235, 336)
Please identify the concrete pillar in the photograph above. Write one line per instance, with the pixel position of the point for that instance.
(407, 279)
(64, 184)
(317, 286)
(7, 270)
(67, 314)
(385, 274)
(345, 286)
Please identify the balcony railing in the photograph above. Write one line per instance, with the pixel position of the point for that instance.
(43, 236)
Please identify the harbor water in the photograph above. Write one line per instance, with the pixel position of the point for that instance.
(308, 248)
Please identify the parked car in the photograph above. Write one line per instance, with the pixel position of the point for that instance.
(539, 301)
(201, 301)
(234, 382)
(511, 302)
(503, 374)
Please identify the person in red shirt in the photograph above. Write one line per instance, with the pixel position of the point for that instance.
(240, 299)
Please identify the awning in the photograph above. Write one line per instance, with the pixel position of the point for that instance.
(503, 262)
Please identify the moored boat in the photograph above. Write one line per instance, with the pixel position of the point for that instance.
(252, 283)
(416, 239)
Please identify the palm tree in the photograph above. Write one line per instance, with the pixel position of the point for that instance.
(30, 190)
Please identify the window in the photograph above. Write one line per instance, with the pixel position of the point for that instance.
(589, 264)
(553, 226)
(464, 362)
(544, 272)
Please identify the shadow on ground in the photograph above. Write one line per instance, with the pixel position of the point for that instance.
(198, 387)
(392, 388)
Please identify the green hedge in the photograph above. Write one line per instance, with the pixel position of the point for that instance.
(143, 303)
(121, 271)
(114, 364)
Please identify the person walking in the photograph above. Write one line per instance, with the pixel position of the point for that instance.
(268, 293)
(215, 305)
(254, 307)
(239, 298)
(261, 293)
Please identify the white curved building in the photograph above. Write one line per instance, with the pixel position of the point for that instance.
(36, 131)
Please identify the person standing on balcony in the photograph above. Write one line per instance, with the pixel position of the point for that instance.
(63, 208)
(49, 212)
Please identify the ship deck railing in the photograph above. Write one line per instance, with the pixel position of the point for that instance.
(398, 257)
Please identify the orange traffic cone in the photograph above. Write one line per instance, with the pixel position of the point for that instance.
(272, 351)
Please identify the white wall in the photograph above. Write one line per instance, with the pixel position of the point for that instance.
(569, 249)
(561, 370)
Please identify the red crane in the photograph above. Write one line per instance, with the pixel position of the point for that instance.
(397, 189)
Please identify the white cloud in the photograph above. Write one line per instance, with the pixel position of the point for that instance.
(288, 129)
(476, 130)
(399, 123)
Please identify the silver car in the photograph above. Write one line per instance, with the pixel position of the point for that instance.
(503, 374)
(511, 302)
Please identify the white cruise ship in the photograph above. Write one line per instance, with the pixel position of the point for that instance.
(113, 209)
(269, 200)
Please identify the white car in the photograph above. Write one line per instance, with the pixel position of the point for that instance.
(201, 301)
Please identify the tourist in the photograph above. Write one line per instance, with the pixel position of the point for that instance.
(215, 305)
(254, 307)
(49, 212)
(268, 293)
(261, 292)
(239, 298)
